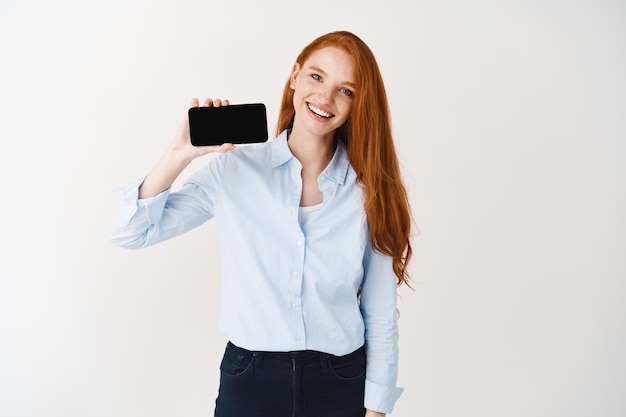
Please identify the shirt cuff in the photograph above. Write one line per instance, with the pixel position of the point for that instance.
(153, 205)
(381, 398)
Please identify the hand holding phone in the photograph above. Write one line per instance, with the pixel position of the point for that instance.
(236, 123)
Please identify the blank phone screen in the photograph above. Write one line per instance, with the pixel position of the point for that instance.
(239, 123)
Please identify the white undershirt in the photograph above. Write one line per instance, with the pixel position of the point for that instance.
(305, 213)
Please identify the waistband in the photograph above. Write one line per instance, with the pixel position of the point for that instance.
(297, 355)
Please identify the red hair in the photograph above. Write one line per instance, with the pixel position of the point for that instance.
(367, 136)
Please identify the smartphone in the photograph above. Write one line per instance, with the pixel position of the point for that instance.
(237, 123)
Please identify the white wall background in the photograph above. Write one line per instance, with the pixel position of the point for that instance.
(510, 119)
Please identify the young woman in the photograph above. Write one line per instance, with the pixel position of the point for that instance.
(314, 231)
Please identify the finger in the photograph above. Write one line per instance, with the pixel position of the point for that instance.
(194, 102)
(208, 102)
(225, 147)
(225, 102)
(217, 102)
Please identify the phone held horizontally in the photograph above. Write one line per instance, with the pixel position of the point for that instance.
(237, 123)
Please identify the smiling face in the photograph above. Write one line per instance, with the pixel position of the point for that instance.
(324, 88)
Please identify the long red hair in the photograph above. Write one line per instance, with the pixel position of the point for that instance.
(367, 136)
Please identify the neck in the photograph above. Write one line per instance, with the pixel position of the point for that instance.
(313, 152)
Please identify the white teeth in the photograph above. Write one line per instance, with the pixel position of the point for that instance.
(319, 112)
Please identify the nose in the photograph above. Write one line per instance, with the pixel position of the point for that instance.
(326, 94)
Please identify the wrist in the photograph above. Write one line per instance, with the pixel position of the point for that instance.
(177, 157)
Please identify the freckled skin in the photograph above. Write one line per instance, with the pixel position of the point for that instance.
(323, 81)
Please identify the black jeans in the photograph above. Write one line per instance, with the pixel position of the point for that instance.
(290, 384)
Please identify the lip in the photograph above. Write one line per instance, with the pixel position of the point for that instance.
(321, 108)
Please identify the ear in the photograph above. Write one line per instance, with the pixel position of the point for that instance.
(295, 72)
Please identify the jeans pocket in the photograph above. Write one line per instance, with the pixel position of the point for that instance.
(236, 362)
(348, 369)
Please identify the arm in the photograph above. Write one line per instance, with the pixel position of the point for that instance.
(370, 413)
(151, 213)
(178, 155)
(379, 310)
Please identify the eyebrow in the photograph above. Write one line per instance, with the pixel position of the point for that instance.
(318, 69)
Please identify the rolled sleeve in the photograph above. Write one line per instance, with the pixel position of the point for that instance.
(143, 222)
(135, 216)
(130, 193)
(154, 206)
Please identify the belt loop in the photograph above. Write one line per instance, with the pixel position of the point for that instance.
(258, 358)
(324, 359)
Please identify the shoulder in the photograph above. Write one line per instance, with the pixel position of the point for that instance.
(254, 150)
(246, 155)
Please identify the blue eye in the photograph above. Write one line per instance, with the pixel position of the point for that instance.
(316, 77)
(346, 92)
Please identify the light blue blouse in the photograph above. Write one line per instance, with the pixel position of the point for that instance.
(285, 286)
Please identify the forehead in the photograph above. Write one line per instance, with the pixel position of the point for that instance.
(332, 60)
